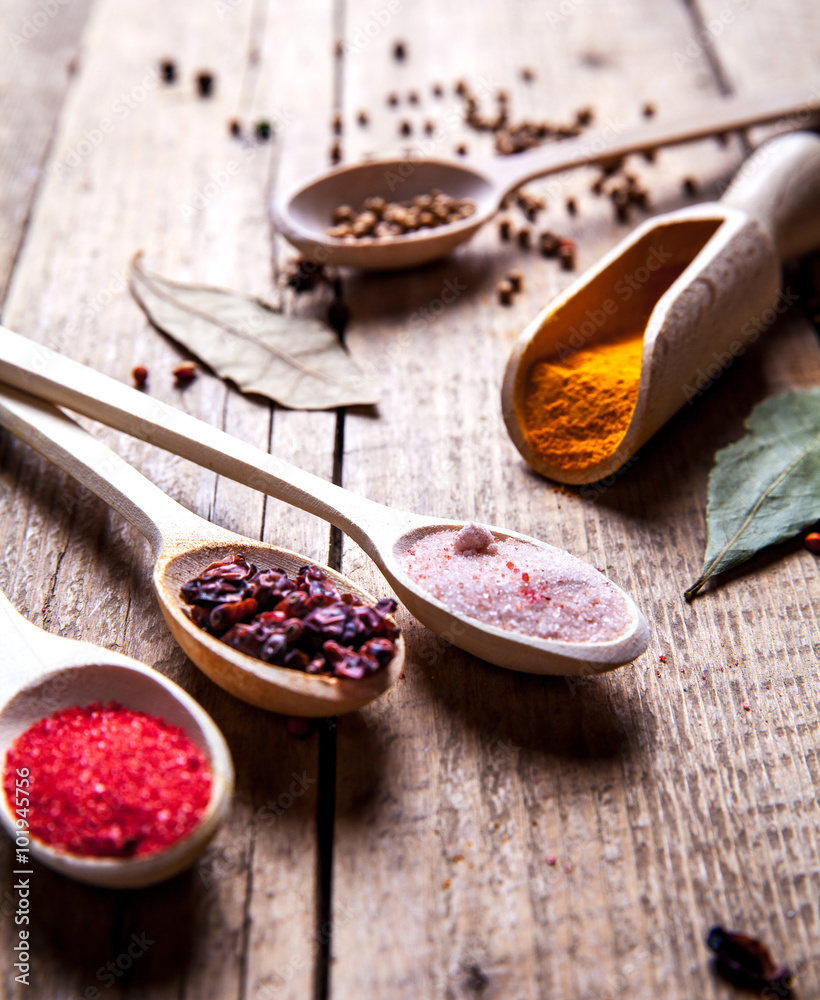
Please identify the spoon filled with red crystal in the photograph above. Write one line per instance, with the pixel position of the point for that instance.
(260, 621)
(505, 597)
(112, 774)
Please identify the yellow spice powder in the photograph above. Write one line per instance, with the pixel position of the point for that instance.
(577, 408)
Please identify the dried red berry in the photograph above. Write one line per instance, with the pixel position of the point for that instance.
(746, 961)
(139, 373)
(184, 375)
(812, 542)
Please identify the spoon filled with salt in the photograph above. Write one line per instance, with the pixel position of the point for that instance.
(45, 674)
(505, 597)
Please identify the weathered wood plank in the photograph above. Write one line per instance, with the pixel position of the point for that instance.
(169, 179)
(666, 806)
(40, 45)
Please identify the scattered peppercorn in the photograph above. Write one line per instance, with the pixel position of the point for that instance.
(304, 273)
(648, 110)
(235, 128)
(139, 373)
(812, 542)
(429, 127)
(527, 74)
(405, 128)
(572, 207)
(461, 149)
(523, 236)
(584, 116)
(413, 97)
(505, 292)
(393, 99)
(336, 153)
(649, 155)
(461, 88)
(262, 131)
(516, 279)
(168, 71)
(363, 118)
(205, 83)
(690, 186)
(336, 123)
(566, 254)
(549, 244)
(338, 48)
(399, 51)
(504, 229)
(184, 375)
(438, 90)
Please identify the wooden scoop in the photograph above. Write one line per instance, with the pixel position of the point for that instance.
(703, 282)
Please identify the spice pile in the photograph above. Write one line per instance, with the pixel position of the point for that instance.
(304, 624)
(517, 586)
(577, 408)
(108, 782)
(382, 219)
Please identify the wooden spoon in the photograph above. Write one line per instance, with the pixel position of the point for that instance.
(183, 545)
(383, 533)
(44, 673)
(304, 214)
(702, 282)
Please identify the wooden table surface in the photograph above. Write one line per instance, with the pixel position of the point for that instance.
(411, 862)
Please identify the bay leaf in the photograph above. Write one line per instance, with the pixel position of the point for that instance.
(296, 361)
(764, 488)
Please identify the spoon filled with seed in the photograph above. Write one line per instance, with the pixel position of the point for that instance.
(399, 213)
(112, 774)
(505, 597)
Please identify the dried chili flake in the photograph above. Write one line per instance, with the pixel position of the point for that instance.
(110, 782)
(746, 962)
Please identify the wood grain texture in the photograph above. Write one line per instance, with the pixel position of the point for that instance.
(245, 919)
(666, 806)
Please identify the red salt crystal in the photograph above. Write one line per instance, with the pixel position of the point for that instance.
(525, 577)
(510, 565)
(567, 867)
(662, 659)
(551, 861)
(148, 801)
(746, 706)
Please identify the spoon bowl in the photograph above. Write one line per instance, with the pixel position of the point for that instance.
(184, 545)
(532, 654)
(46, 674)
(303, 215)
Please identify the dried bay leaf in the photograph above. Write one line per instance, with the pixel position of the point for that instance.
(296, 361)
(764, 488)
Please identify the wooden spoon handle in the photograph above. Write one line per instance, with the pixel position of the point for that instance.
(779, 185)
(90, 462)
(61, 380)
(612, 140)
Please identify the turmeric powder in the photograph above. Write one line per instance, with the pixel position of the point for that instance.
(577, 408)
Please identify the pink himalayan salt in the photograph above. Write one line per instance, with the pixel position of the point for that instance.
(517, 586)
